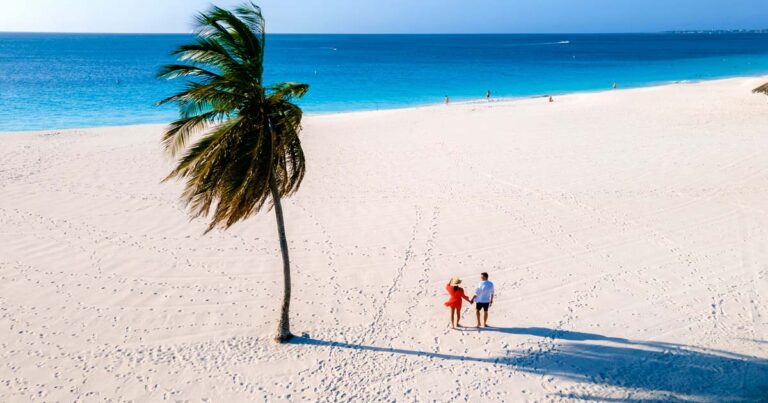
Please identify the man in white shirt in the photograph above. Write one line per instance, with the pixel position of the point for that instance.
(483, 298)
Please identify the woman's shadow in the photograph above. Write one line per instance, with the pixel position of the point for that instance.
(658, 370)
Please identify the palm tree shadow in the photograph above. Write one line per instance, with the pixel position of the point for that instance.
(556, 334)
(650, 370)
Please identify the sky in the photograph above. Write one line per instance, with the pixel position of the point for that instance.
(393, 16)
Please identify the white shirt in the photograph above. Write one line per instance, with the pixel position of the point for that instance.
(484, 292)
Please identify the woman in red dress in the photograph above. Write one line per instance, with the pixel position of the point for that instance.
(457, 294)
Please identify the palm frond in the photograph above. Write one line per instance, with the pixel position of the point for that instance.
(207, 93)
(763, 89)
(234, 33)
(289, 90)
(177, 135)
(172, 71)
(285, 121)
(251, 15)
(208, 51)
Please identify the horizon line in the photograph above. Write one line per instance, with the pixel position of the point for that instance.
(736, 30)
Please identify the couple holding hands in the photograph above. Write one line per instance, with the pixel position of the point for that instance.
(482, 299)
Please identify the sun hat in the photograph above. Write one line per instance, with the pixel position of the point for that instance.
(455, 281)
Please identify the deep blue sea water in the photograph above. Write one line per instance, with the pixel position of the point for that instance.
(79, 80)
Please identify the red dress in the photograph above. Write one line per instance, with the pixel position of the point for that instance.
(456, 296)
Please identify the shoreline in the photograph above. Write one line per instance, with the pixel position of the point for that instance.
(475, 101)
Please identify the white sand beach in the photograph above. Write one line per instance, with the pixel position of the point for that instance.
(626, 232)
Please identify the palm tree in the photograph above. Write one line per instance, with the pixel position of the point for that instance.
(246, 149)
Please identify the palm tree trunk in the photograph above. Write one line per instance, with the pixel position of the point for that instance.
(283, 328)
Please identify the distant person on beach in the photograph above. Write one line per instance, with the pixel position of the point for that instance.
(454, 303)
(447, 100)
(483, 298)
(615, 85)
(488, 95)
(551, 99)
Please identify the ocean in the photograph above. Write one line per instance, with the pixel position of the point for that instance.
(50, 81)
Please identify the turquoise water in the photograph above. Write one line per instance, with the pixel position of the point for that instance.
(76, 80)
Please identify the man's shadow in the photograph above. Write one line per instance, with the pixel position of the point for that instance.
(663, 371)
